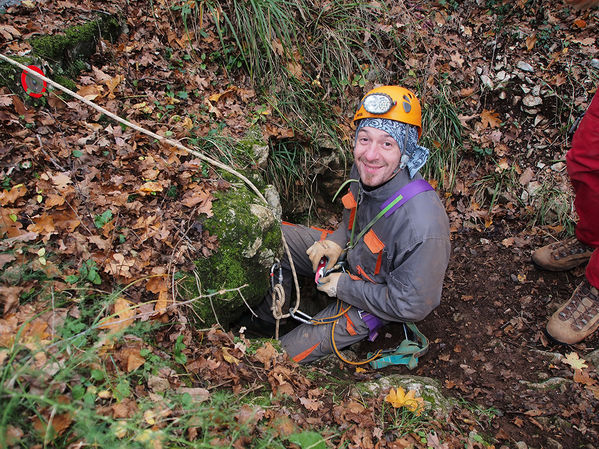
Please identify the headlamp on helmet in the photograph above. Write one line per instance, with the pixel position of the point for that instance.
(378, 103)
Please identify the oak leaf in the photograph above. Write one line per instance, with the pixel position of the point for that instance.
(575, 361)
(10, 196)
(10, 297)
(490, 119)
(119, 266)
(43, 225)
(61, 180)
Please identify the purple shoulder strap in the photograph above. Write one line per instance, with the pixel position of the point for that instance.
(406, 192)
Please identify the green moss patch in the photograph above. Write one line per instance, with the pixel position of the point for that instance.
(248, 246)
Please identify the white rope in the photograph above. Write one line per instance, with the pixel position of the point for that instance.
(176, 144)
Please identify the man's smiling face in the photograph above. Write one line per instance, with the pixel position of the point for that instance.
(377, 155)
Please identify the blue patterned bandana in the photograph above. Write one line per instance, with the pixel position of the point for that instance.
(413, 156)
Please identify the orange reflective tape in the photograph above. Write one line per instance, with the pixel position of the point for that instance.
(287, 223)
(302, 355)
(373, 242)
(379, 261)
(348, 200)
(354, 277)
(362, 273)
(349, 325)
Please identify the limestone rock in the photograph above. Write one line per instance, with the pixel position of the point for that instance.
(249, 240)
(428, 389)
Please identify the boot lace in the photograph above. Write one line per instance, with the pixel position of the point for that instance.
(586, 310)
(570, 247)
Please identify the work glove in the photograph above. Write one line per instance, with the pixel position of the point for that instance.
(324, 248)
(328, 284)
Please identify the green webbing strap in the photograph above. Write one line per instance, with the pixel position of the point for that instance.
(351, 242)
(372, 222)
(407, 353)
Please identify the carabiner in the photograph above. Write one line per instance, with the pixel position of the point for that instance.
(275, 266)
(301, 316)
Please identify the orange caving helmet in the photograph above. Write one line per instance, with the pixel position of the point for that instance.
(393, 103)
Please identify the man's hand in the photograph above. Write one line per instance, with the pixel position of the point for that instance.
(324, 248)
(328, 284)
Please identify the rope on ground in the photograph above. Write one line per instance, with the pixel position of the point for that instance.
(173, 143)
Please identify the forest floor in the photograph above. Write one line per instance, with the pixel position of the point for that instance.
(488, 344)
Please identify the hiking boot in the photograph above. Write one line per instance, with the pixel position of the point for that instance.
(563, 255)
(577, 318)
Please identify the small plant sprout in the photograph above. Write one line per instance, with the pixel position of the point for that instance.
(399, 398)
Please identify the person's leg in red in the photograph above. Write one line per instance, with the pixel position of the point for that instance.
(579, 316)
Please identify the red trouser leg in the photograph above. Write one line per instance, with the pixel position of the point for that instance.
(583, 168)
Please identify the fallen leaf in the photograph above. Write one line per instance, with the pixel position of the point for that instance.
(134, 360)
(490, 119)
(311, 404)
(228, 357)
(122, 316)
(13, 435)
(89, 92)
(583, 377)
(10, 297)
(266, 354)
(150, 187)
(119, 266)
(162, 303)
(198, 394)
(575, 361)
(10, 196)
(531, 41)
(508, 242)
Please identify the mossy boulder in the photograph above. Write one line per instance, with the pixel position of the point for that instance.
(428, 389)
(249, 241)
(61, 56)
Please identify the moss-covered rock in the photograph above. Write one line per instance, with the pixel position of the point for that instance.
(77, 43)
(61, 56)
(249, 240)
(428, 389)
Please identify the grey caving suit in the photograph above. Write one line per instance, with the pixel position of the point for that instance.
(395, 272)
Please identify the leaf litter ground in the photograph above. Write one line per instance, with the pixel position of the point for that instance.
(487, 340)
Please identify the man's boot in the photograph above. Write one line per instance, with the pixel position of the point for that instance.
(578, 317)
(563, 255)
